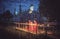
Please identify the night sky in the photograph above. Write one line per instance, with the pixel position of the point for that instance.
(12, 4)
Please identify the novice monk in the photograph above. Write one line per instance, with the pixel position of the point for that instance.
(35, 26)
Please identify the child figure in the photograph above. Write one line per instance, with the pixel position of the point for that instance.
(35, 26)
(30, 26)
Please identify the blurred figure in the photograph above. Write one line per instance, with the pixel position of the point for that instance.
(35, 26)
(30, 26)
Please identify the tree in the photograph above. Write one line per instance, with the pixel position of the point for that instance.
(6, 16)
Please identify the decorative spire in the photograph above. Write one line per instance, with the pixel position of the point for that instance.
(20, 8)
(14, 11)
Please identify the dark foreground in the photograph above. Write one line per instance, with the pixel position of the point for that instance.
(10, 33)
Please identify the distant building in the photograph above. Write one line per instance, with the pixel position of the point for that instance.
(29, 14)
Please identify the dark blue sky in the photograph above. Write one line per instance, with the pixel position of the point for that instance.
(12, 4)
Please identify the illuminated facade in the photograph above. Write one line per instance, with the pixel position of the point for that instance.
(30, 21)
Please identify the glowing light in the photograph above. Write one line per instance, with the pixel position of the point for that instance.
(16, 12)
(31, 9)
(41, 25)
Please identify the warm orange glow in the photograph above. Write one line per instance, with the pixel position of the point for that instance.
(35, 26)
(32, 27)
(32, 24)
(41, 25)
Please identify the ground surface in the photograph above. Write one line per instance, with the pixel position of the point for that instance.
(11, 33)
